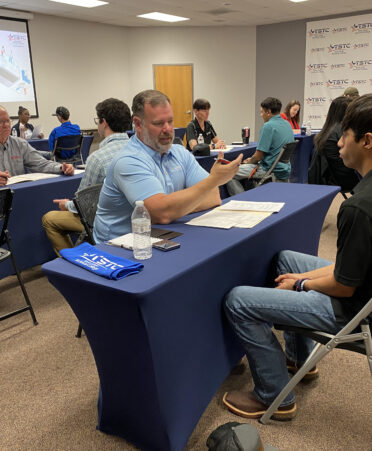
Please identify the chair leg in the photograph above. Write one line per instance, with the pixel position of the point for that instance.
(79, 331)
(317, 354)
(20, 280)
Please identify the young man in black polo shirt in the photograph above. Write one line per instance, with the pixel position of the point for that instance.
(201, 126)
(321, 295)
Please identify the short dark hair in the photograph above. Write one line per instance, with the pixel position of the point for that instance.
(272, 104)
(116, 113)
(201, 104)
(21, 109)
(150, 96)
(358, 116)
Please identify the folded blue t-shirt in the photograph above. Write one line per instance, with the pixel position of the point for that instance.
(100, 262)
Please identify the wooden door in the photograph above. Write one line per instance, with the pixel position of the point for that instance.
(176, 82)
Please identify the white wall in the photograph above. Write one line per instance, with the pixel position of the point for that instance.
(77, 64)
(224, 60)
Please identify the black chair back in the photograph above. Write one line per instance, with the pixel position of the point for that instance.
(86, 202)
(67, 149)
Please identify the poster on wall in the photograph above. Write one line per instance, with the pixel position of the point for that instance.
(338, 55)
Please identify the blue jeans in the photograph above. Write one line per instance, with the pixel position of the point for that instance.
(251, 312)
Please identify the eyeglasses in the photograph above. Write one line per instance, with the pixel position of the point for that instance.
(97, 120)
(5, 122)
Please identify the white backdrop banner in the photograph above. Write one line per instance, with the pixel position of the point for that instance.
(338, 55)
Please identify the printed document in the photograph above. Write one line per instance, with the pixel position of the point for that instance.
(242, 205)
(30, 177)
(225, 219)
(36, 132)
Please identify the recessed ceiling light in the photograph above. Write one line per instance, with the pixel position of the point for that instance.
(297, 1)
(84, 3)
(163, 17)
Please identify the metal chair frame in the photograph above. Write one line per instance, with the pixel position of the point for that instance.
(284, 156)
(348, 338)
(6, 199)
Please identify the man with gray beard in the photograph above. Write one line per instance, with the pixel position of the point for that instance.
(153, 169)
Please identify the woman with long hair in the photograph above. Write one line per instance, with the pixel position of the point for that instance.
(292, 114)
(325, 143)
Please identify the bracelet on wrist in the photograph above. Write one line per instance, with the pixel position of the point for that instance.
(299, 285)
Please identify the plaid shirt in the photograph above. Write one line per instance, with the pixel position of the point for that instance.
(99, 161)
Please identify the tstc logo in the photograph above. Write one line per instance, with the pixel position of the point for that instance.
(360, 64)
(337, 66)
(339, 48)
(314, 101)
(361, 45)
(318, 32)
(317, 68)
(362, 27)
(358, 82)
(337, 84)
(316, 83)
(339, 29)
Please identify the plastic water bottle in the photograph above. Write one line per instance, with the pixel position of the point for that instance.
(141, 229)
(14, 132)
(200, 139)
(308, 128)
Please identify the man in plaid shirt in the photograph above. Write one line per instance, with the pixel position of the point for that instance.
(113, 119)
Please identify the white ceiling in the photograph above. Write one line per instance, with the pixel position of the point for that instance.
(201, 12)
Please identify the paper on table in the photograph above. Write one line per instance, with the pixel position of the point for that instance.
(228, 149)
(36, 132)
(242, 205)
(225, 219)
(30, 177)
(126, 241)
(78, 171)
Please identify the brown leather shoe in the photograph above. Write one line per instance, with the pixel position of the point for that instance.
(246, 405)
(310, 375)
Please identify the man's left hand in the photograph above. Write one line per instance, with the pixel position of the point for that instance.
(61, 203)
(220, 144)
(67, 169)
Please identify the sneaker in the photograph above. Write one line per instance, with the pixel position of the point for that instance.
(246, 405)
(310, 375)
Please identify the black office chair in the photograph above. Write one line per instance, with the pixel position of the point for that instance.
(355, 336)
(6, 198)
(67, 149)
(284, 156)
(86, 202)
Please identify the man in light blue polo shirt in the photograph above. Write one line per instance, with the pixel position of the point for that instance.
(274, 134)
(150, 168)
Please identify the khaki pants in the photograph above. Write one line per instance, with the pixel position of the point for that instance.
(58, 225)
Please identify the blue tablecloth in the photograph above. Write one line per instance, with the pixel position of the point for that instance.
(31, 200)
(160, 340)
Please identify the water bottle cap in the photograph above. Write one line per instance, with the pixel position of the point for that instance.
(139, 203)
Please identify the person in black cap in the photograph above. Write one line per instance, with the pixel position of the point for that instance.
(65, 129)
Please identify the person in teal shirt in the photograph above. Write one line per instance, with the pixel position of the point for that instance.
(274, 134)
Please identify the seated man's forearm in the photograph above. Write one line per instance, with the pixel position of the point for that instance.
(320, 272)
(165, 208)
(328, 285)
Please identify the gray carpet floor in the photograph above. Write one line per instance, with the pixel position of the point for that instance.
(49, 384)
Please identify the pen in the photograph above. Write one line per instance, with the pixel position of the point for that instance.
(222, 160)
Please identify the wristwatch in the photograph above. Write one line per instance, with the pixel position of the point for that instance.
(213, 145)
